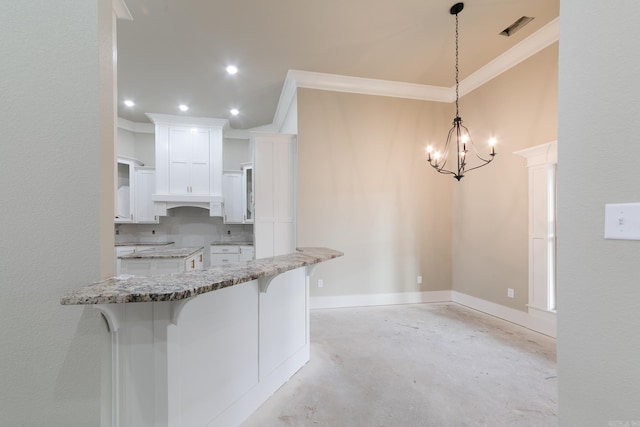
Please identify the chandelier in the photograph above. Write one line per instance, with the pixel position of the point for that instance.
(467, 157)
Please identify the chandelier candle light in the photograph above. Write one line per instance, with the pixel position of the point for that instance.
(463, 141)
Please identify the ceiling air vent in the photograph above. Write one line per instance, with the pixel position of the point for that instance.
(511, 29)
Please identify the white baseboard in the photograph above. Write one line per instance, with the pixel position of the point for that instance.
(546, 326)
(543, 324)
(344, 301)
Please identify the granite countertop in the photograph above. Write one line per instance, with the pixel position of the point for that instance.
(179, 286)
(162, 253)
(232, 243)
(144, 243)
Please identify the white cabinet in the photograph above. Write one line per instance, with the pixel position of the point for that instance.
(188, 162)
(124, 250)
(189, 165)
(275, 166)
(135, 186)
(232, 193)
(145, 184)
(125, 189)
(237, 189)
(247, 193)
(152, 262)
(246, 253)
(229, 254)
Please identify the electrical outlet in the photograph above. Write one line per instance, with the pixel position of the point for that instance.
(320, 283)
(419, 280)
(510, 292)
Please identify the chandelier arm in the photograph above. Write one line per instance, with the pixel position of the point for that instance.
(479, 166)
(445, 156)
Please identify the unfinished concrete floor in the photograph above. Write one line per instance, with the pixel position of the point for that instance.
(440, 365)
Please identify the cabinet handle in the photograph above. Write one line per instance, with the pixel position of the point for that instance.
(131, 217)
(193, 263)
(200, 257)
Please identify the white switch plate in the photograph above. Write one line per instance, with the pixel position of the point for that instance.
(320, 283)
(622, 221)
(510, 292)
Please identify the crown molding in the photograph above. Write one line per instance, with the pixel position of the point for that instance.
(121, 10)
(364, 86)
(528, 47)
(135, 126)
(169, 119)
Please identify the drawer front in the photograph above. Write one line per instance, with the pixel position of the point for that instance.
(222, 259)
(231, 249)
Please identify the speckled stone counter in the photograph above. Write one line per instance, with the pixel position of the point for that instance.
(232, 243)
(179, 286)
(162, 253)
(143, 243)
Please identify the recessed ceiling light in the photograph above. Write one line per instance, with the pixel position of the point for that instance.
(234, 111)
(183, 107)
(129, 103)
(232, 69)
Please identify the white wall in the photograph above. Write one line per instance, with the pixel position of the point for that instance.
(235, 152)
(55, 168)
(598, 152)
(137, 145)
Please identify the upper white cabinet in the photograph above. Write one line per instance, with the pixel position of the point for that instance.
(232, 192)
(125, 189)
(188, 162)
(237, 188)
(247, 193)
(145, 185)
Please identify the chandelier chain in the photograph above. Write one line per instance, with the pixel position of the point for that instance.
(457, 68)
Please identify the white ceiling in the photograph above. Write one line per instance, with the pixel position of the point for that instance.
(176, 51)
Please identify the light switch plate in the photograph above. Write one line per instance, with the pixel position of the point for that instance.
(622, 221)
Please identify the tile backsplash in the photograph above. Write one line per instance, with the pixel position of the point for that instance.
(185, 226)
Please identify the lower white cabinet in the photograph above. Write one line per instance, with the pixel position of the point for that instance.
(124, 250)
(162, 261)
(228, 254)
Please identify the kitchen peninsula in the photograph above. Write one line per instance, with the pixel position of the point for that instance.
(205, 347)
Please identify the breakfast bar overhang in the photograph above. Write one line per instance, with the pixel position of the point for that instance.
(204, 348)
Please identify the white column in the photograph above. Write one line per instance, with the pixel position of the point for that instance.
(542, 163)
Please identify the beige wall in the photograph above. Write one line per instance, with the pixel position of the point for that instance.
(490, 205)
(598, 279)
(364, 188)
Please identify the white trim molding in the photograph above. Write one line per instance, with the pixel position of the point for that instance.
(533, 321)
(544, 323)
(136, 127)
(345, 301)
(528, 47)
(121, 10)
